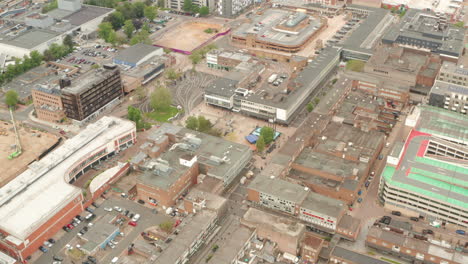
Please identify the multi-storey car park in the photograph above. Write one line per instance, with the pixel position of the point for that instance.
(38, 202)
(271, 103)
(426, 176)
(279, 30)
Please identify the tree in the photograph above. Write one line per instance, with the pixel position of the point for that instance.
(150, 12)
(146, 27)
(187, 7)
(204, 125)
(36, 57)
(161, 99)
(11, 98)
(128, 10)
(104, 30)
(191, 123)
(316, 100)
(260, 144)
(204, 11)
(141, 37)
(195, 57)
(139, 8)
(459, 24)
(112, 38)
(310, 107)
(128, 28)
(195, 9)
(68, 41)
(134, 114)
(116, 18)
(166, 226)
(171, 74)
(268, 134)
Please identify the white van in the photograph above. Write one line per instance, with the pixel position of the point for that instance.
(136, 217)
(114, 260)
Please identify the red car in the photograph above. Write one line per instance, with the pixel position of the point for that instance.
(132, 223)
(70, 226)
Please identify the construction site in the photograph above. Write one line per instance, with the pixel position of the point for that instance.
(15, 157)
(195, 35)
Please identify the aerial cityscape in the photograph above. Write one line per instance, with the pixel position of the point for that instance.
(233, 131)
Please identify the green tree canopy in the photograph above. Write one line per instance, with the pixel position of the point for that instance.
(268, 134)
(171, 74)
(204, 11)
(260, 144)
(68, 41)
(141, 37)
(187, 7)
(191, 123)
(104, 30)
(128, 28)
(166, 226)
(150, 12)
(116, 18)
(11, 98)
(161, 99)
(310, 107)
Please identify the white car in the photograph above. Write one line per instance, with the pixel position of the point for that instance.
(136, 218)
(118, 209)
(47, 244)
(108, 209)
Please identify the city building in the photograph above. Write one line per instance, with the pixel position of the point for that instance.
(311, 246)
(5, 259)
(40, 201)
(427, 31)
(232, 8)
(179, 4)
(192, 234)
(349, 227)
(413, 247)
(137, 54)
(405, 65)
(277, 103)
(176, 158)
(138, 76)
(279, 30)
(322, 211)
(276, 194)
(426, 175)
(450, 91)
(197, 200)
(373, 23)
(235, 247)
(36, 32)
(48, 103)
(100, 234)
(285, 232)
(341, 255)
(86, 97)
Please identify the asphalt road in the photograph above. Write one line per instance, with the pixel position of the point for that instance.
(147, 220)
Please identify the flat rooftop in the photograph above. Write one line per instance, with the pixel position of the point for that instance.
(272, 222)
(42, 190)
(324, 205)
(355, 257)
(279, 188)
(85, 81)
(444, 88)
(369, 31)
(86, 14)
(424, 26)
(101, 230)
(265, 27)
(189, 230)
(31, 38)
(135, 53)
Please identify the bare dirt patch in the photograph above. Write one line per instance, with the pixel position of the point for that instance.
(33, 143)
(187, 36)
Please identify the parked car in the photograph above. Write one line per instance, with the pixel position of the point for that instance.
(118, 209)
(92, 259)
(89, 210)
(136, 217)
(48, 244)
(108, 209)
(141, 201)
(79, 217)
(51, 240)
(57, 258)
(359, 200)
(70, 226)
(428, 231)
(460, 232)
(95, 205)
(126, 212)
(43, 249)
(397, 213)
(132, 223)
(66, 229)
(416, 219)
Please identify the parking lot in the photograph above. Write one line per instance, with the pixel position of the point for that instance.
(65, 242)
(85, 58)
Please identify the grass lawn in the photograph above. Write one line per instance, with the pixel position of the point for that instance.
(355, 65)
(162, 116)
